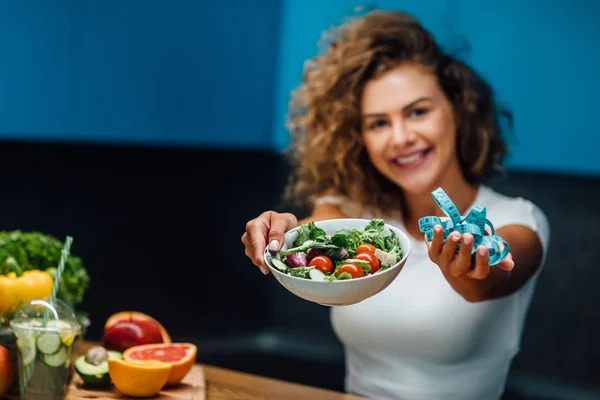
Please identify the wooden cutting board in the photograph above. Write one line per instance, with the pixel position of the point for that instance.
(193, 387)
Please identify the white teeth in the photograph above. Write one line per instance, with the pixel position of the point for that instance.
(409, 159)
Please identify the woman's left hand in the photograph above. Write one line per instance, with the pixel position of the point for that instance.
(458, 264)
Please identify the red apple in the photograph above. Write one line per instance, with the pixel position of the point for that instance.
(6, 370)
(125, 334)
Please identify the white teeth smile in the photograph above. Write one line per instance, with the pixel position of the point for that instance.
(409, 159)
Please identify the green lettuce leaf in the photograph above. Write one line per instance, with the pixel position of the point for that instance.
(349, 239)
(374, 234)
(300, 272)
(315, 232)
(392, 245)
(303, 235)
(307, 245)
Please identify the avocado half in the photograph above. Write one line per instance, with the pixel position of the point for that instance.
(95, 375)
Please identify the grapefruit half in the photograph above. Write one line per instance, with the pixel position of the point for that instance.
(181, 355)
(135, 316)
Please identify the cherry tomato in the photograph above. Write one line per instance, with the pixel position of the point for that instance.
(352, 269)
(371, 259)
(365, 248)
(322, 263)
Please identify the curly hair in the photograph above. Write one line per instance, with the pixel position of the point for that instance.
(327, 152)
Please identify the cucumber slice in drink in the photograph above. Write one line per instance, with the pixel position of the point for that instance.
(49, 342)
(58, 359)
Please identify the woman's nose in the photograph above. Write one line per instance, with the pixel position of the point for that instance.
(402, 134)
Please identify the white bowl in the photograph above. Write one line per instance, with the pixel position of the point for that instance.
(342, 292)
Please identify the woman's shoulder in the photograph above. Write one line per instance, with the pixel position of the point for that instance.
(500, 202)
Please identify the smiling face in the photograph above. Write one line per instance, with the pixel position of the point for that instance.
(409, 129)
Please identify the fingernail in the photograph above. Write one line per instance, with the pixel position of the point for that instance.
(455, 238)
(467, 239)
(263, 270)
(274, 246)
(513, 263)
(482, 251)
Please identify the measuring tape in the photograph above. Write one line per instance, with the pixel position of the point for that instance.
(474, 223)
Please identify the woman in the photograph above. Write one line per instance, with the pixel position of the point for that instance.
(383, 118)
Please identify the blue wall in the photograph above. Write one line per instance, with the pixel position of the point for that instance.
(541, 56)
(191, 73)
(144, 71)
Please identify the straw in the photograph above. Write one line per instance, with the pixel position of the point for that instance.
(58, 277)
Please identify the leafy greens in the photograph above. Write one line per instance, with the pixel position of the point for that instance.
(22, 251)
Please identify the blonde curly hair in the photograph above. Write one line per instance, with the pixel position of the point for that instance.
(327, 152)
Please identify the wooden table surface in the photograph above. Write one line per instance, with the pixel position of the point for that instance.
(227, 384)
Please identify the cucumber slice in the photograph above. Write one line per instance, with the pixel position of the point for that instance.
(57, 359)
(65, 330)
(344, 275)
(26, 345)
(49, 343)
(279, 265)
(316, 275)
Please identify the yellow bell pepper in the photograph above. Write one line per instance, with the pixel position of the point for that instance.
(15, 290)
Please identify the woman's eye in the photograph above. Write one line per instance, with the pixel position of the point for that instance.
(418, 112)
(378, 124)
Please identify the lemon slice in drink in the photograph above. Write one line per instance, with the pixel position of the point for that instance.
(26, 345)
(64, 329)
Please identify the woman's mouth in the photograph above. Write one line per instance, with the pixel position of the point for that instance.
(413, 160)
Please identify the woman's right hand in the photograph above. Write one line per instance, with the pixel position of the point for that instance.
(267, 227)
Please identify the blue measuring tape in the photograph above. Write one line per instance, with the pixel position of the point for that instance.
(474, 223)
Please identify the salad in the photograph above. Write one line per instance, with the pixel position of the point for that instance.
(347, 254)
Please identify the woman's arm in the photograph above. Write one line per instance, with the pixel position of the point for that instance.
(484, 282)
(526, 251)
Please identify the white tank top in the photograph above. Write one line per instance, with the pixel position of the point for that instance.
(420, 340)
